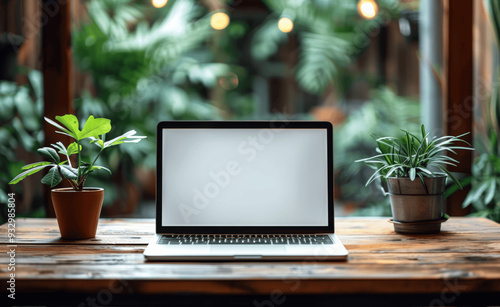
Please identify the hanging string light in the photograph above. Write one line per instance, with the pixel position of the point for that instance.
(368, 9)
(229, 81)
(159, 3)
(219, 21)
(285, 24)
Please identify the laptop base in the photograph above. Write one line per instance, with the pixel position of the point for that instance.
(240, 252)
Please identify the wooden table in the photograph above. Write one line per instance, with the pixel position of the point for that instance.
(459, 266)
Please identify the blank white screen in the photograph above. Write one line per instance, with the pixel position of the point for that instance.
(244, 177)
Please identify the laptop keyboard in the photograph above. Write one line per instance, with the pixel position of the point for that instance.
(245, 239)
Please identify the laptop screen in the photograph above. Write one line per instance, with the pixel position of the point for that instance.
(243, 177)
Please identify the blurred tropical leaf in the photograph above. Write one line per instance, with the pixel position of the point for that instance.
(384, 114)
(320, 58)
(145, 70)
(114, 16)
(267, 40)
(330, 34)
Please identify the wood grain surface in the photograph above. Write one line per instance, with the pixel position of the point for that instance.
(465, 256)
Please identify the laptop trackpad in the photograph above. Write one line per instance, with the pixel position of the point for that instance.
(247, 250)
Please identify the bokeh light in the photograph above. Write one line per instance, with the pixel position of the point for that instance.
(229, 82)
(159, 3)
(285, 24)
(219, 21)
(368, 9)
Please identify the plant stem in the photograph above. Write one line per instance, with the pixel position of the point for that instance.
(79, 160)
(82, 182)
(95, 160)
(69, 161)
(82, 177)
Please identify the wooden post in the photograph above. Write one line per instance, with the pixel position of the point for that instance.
(57, 74)
(458, 89)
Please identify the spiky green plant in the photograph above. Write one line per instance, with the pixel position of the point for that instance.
(412, 156)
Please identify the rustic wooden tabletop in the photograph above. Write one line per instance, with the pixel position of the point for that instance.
(461, 265)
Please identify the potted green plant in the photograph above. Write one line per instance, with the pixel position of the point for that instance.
(77, 208)
(417, 205)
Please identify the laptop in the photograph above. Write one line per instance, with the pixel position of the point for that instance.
(244, 190)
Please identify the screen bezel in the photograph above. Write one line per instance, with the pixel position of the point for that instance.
(272, 124)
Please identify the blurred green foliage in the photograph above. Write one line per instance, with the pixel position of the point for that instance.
(384, 114)
(484, 195)
(20, 126)
(145, 71)
(149, 65)
(331, 34)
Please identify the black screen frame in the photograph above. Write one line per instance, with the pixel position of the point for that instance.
(271, 124)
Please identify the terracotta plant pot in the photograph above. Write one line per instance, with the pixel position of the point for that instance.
(77, 212)
(414, 210)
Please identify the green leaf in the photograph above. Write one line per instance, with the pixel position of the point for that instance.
(61, 148)
(412, 173)
(3, 197)
(378, 173)
(453, 188)
(424, 170)
(115, 141)
(490, 192)
(94, 127)
(127, 137)
(266, 40)
(66, 131)
(422, 180)
(73, 148)
(392, 170)
(97, 141)
(475, 193)
(366, 160)
(493, 142)
(468, 200)
(422, 129)
(71, 123)
(49, 153)
(68, 172)
(29, 166)
(455, 180)
(27, 173)
(52, 178)
(100, 167)
(84, 169)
